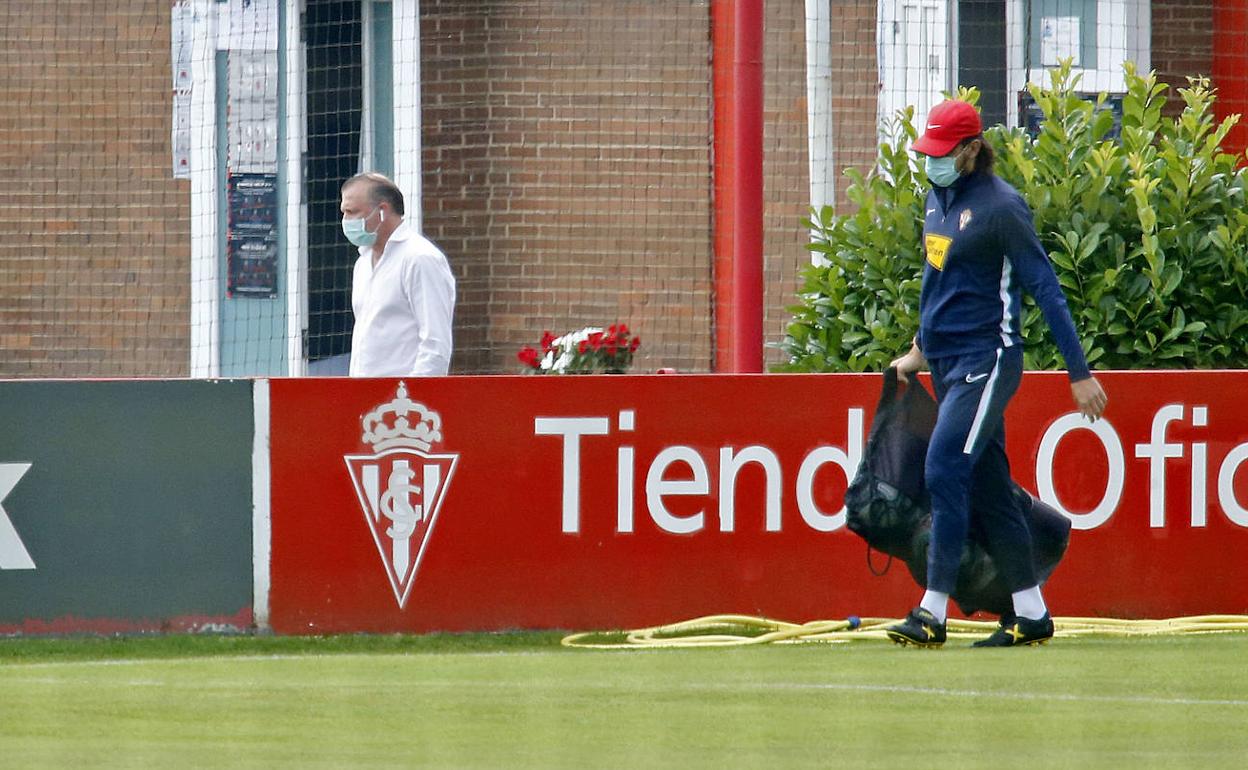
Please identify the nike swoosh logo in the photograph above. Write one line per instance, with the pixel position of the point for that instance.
(976, 377)
(931, 211)
(933, 125)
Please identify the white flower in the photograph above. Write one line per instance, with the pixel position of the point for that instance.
(569, 342)
(584, 334)
(571, 353)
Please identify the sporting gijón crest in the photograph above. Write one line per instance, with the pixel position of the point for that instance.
(401, 485)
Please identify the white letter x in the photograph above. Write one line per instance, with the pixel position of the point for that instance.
(13, 554)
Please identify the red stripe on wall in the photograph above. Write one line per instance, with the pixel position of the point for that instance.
(1230, 70)
(722, 25)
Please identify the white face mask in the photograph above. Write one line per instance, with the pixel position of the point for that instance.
(357, 233)
(942, 172)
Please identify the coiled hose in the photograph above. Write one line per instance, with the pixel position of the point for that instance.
(740, 630)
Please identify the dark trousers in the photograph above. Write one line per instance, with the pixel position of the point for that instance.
(968, 473)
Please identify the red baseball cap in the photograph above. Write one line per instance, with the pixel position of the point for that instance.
(948, 123)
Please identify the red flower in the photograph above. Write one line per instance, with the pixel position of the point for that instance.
(609, 350)
(528, 356)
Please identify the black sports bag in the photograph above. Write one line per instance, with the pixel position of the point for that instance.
(886, 501)
(888, 506)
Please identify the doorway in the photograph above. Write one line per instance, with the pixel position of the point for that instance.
(333, 35)
(914, 45)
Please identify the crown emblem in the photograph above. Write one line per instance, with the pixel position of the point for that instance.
(402, 423)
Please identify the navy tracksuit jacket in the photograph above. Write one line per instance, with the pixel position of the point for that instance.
(982, 252)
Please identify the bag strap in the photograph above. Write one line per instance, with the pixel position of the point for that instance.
(888, 394)
(884, 409)
(871, 566)
(918, 406)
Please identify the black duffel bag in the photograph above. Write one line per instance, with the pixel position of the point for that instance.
(886, 500)
(888, 506)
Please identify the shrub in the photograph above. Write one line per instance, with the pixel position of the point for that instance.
(1148, 235)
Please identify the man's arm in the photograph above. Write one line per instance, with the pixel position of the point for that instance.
(1031, 263)
(431, 293)
(1036, 273)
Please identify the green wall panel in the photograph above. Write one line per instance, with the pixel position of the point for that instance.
(137, 506)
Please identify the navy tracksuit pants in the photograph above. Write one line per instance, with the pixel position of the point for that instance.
(968, 473)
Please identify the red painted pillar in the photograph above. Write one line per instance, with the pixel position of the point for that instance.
(1230, 70)
(747, 240)
(722, 20)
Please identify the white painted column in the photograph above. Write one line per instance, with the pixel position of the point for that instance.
(296, 210)
(261, 509)
(406, 49)
(368, 57)
(819, 103)
(205, 261)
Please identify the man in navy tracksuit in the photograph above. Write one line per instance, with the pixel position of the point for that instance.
(982, 252)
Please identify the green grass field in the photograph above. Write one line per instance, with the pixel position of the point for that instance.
(520, 700)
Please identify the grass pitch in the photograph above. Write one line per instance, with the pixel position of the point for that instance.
(520, 700)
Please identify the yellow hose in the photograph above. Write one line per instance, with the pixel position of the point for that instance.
(739, 630)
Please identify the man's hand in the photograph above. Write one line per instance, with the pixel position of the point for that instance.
(1089, 397)
(910, 363)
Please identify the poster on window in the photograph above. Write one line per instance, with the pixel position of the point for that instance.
(252, 25)
(251, 123)
(251, 241)
(1059, 39)
(182, 39)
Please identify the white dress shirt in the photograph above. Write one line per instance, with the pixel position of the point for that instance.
(403, 309)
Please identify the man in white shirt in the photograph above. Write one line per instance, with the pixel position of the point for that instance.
(403, 293)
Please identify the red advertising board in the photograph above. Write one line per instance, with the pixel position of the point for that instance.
(478, 503)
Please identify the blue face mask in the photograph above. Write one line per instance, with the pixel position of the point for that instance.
(355, 231)
(942, 172)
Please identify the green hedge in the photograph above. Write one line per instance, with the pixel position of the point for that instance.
(1148, 235)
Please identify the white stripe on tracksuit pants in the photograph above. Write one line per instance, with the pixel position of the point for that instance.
(968, 473)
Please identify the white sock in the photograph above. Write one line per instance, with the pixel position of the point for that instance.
(1029, 604)
(936, 603)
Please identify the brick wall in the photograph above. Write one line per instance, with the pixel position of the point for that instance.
(458, 180)
(1182, 44)
(567, 172)
(94, 234)
(567, 166)
(855, 83)
(786, 172)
